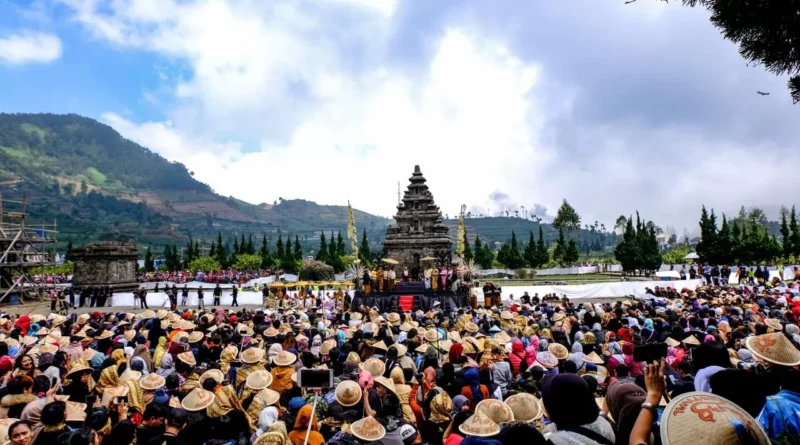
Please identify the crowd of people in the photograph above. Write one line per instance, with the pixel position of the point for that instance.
(227, 276)
(711, 365)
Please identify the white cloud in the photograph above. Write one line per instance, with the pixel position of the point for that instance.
(30, 47)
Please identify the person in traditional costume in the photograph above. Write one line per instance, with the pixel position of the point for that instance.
(282, 371)
(252, 361)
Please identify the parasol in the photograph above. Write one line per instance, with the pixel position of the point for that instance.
(301, 283)
(277, 284)
(390, 261)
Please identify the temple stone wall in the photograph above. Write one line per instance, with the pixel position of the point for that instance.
(418, 231)
(109, 263)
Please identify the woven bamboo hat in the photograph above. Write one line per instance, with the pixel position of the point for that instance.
(526, 407)
(112, 392)
(691, 340)
(88, 354)
(79, 368)
(268, 396)
(152, 382)
(671, 342)
(374, 367)
(471, 327)
(405, 327)
(188, 358)
(215, 374)
(479, 425)
(368, 429)
(130, 375)
(348, 393)
(76, 412)
(773, 348)
(259, 380)
(48, 349)
(196, 337)
(507, 315)
(393, 318)
(547, 359)
(558, 350)
(386, 383)
(502, 338)
(270, 438)
(252, 355)
(496, 410)
(401, 349)
(270, 332)
(284, 358)
(774, 324)
(592, 357)
(380, 345)
(197, 400)
(432, 335)
(148, 313)
(327, 345)
(454, 336)
(699, 417)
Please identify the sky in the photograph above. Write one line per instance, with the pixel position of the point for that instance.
(502, 104)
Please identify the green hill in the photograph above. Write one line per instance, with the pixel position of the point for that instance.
(99, 186)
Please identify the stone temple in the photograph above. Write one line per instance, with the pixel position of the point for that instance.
(418, 232)
(107, 263)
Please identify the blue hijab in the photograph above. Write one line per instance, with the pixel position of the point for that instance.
(472, 378)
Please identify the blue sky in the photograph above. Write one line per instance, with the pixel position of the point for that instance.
(504, 104)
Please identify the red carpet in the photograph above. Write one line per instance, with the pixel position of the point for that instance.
(406, 303)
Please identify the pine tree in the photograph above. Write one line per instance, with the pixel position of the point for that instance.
(467, 250)
(322, 255)
(340, 245)
(265, 257)
(515, 260)
(707, 247)
(530, 251)
(279, 248)
(176, 258)
(795, 236)
(488, 257)
(221, 257)
(236, 250)
(364, 253)
(213, 251)
(724, 245)
(196, 250)
(148, 261)
(571, 255)
(68, 255)
(298, 251)
(333, 252)
(250, 248)
(542, 257)
(189, 257)
(168, 256)
(561, 248)
(627, 251)
(736, 243)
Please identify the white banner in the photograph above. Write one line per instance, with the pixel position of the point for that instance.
(620, 289)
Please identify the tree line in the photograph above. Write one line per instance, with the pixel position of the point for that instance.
(639, 249)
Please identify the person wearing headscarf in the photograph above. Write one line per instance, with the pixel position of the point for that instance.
(473, 390)
(433, 428)
(577, 356)
(316, 344)
(226, 357)
(225, 401)
(279, 427)
(298, 434)
(108, 377)
(160, 352)
(166, 367)
(624, 401)
(403, 392)
(268, 416)
(575, 415)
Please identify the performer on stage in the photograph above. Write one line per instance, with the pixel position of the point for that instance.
(435, 279)
(427, 276)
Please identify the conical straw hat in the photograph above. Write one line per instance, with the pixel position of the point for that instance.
(284, 358)
(197, 400)
(526, 407)
(152, 382)
(374, 367)
(708, 419)
(368, 429)
(188, 358)
(479, 425)
(348, 393)
(259, 380)
(215, 374)
(496, 410)
(268, 396)
(558, 350)
(252, 355)
(773, 348)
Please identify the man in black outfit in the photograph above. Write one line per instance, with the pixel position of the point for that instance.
(217, 294)
(153, 423)
(71, 293)
(143, 299)
(235, 295)
(200, 303)
(175, 422)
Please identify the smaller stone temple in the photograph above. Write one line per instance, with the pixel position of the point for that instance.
(418, 232)
(106, 263)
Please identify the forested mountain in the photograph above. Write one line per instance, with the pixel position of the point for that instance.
(99, 186)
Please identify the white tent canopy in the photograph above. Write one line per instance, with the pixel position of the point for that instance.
(692, 256)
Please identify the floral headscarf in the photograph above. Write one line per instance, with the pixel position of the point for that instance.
(365, 380)
(316, 344)
(589, 339)
(441, 407)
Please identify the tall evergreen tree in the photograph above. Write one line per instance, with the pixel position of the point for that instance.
(561, 248)
(468, 255)
(168, 256)
(279, 249)
(530, 251)
(322, 255)
(298, 251)
(571, 255)
(795, 236)
(627, 251)
(68, 255)
(542, 257)
(196, 250)
(515, 260)
(340, 245)
(221, 257)
(364, 253)
(488, 257)
(148, 260)
(176, 257)
(786, 235)
(736, 243)
(212, 252)
(265, 257)
(706, 248)
(190, 255)
(250, 248)
(724, 245)
(236, 249)
(333, 252)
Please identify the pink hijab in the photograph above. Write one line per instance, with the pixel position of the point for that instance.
(365, 380)
(530, 354)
